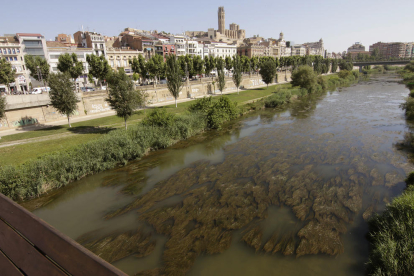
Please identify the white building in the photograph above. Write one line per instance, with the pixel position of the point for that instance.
(298, 50)
(56, 49)
(180, 44)
(119, 58)
(219, 49)
(91, 40)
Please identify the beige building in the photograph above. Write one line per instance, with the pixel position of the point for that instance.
(11, 50)
(234, 35)
(119, 58)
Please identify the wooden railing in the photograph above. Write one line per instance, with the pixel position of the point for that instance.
(29, 246)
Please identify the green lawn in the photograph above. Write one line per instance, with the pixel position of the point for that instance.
(92, 129)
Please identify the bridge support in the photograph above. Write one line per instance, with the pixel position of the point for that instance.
(360, 69)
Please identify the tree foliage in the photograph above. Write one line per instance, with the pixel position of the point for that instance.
(122, 96)
(2, 107)
(7, 74)
(237, 72)
(268, 71)
(69, 64)
(174, 77)
(98, 67)
(62, 94)
(32, 63)
(221, 80)
(304, 77)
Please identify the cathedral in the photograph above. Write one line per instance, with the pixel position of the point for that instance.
(235, 35)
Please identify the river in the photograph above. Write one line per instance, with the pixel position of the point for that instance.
(278, 192)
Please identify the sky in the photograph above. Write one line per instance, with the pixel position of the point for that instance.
(338, 23)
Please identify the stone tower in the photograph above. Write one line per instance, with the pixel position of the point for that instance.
(221, 22)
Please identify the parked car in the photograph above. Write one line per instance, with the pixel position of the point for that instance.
(163, 81)
(87, 89)
(37, 90)
(103, 87)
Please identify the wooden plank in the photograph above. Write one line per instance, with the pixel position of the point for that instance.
(74, 258)
(7, 267)
(24, 255)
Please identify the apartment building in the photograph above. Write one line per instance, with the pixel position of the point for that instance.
(91, 40)
(393, 49)
(11, 51)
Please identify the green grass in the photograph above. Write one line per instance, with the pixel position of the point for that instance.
(14, 155)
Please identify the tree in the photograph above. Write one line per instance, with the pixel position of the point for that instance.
(38, 67)
(174, 77)
(7, 74)
(304, 77)
(334, 65)
(122, 96)
(209, 64)
(410, 67)
(346, 65)
(237, 72)
(228, 64)
(221, 80)
(156, 66)
(2, 108)
(98, 67)
(198, 65)
(268, 71)
(62, 94)
(69, 64)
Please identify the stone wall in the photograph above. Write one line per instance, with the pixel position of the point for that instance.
(24, 110)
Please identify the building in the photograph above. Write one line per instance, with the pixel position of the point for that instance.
(33, 44)
(164, 49)
(139, 43)
(233, 35)
(11, 50)
(315, 48)
(259, 50)
(219, 49)
(56, 49)
(119, 58)
(298, 50)
(357, 47)
(65, 38)
(393, 49)
(91, 40)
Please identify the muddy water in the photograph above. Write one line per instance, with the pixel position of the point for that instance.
(283, 192)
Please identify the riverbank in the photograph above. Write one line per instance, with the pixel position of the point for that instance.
(57, 169)
(391, 233)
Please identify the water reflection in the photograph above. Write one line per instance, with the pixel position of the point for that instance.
(270, 188)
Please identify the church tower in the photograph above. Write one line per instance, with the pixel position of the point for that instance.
(221, 22)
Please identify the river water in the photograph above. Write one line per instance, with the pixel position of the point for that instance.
(279, 192)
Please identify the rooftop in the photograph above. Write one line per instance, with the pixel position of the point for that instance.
(55, 44)
(29, 34)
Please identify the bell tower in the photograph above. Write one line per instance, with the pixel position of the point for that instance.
(221, 21)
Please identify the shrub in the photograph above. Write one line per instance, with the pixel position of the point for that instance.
(408, 106)
(304, 77)
(392, 238)
(278, 99)
(322, 82)
(216, 112)
(159, 117)
(344, 74)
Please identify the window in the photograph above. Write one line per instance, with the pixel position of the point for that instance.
(125, 63)
(9, 51)
(14, 51)
(112, 63)
(118, 63)
(24, 68)
(18, 51)
(15, 58)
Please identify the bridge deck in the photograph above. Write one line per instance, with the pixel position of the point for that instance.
(29, 246)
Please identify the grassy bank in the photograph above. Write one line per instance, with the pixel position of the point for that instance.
(391, 233)
(159, 129)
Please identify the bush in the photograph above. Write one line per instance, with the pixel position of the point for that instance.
(278, 99)
(344, 74)
(322, 82)
(159, 117)
(408, 106)
(304, 77)
(392, 238)
(216, 112)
